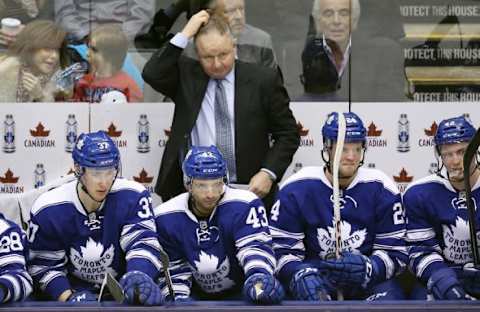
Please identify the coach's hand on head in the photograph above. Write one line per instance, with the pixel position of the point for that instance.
(194, 24)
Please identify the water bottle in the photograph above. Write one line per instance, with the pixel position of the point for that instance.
(143, 130)
(9, 134)
(39, 176)
(403, 134)
(70, 133)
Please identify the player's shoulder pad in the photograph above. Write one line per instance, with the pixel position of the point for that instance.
(174, 205)
(62, 194)
(365, 175)
(433, 178)
(121, 184)
(306, 173)
(238, 195)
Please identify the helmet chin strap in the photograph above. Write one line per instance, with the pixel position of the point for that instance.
(328, 163)
(193, 206)
(85, 190)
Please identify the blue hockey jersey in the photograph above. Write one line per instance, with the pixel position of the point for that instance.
(372, 221)
(70, 248)
(218, 252)
(438, 229)
(13, 272)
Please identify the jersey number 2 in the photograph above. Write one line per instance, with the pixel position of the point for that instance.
(398, 214)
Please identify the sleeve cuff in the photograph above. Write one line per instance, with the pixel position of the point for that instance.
(179, 40)
(270, 173)
(379, 273)
(56, 287)
(286, 273)
(143, 266)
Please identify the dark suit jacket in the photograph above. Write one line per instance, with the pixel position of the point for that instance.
(261, 110)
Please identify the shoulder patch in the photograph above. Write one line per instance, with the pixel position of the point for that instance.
(306, 173)
(122, 184)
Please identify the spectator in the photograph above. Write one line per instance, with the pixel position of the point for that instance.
(30, 62)
(107, 51)
(327, 51)
(25, 11)
(80, 17)
(240, 107)
(338, 43)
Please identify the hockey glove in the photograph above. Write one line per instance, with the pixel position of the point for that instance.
(263, 288)
(350, 270)
(471, 279)
(139, 288)
(82, 296)
(444, 285)
(307, 284)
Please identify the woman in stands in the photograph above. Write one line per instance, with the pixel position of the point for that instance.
(30, 62)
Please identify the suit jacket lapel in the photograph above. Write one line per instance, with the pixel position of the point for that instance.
(200, 83)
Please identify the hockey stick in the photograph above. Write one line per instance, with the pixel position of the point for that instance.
(336, 190)
(468, 157)
(113, 287)
(168, 279)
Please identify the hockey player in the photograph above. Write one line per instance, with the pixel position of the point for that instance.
(95, 225)
(437, 230)
(217, 235)
(15, 283)
(372, 225)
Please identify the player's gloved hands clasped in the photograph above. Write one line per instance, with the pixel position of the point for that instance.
(263, 288)
(444, 285)
(308, 284)
(82, 296)
(471, 279)
(139, 288)
(349, 270)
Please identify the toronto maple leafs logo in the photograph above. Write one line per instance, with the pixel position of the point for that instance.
(207, 236)
(345, 200)
(211, 276)
(92, 262)
(351, 241)
(457, 242)
(461, 201)
(80, 144)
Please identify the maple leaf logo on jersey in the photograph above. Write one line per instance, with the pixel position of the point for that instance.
(351, 240)
(92, 263)
(457, 242)
(344, 200)
(461, 201)
(209, 275)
